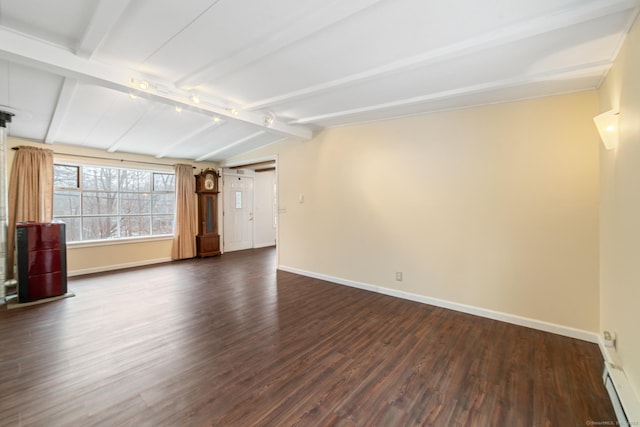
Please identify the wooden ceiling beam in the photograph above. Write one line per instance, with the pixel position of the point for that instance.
(22, 49)
(104, 18)
(189, 136)
(329, 13)
(67, 92)
(251, 165)
(554, 20)
(210, 155)
(597, 68)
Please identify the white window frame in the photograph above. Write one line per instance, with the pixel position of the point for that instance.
(118, 214)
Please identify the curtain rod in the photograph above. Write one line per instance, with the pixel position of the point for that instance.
(106, 158)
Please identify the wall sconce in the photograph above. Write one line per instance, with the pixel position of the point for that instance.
(607, 124)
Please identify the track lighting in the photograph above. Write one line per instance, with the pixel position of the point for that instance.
(140, 84)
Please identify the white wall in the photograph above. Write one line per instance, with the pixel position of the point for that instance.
(493, 207)
(620, 212)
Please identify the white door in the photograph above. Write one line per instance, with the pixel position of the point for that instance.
(238, 213)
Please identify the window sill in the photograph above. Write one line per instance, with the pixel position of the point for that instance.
(111, 242)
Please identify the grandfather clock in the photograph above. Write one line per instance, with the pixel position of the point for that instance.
(208, 239)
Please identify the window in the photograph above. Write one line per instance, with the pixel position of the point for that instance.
(98, 202)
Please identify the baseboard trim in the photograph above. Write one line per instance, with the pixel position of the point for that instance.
(630, 404)
(606, 355)
(113, 267)
(566, 331)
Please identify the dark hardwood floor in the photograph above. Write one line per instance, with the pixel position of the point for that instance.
(229, 341)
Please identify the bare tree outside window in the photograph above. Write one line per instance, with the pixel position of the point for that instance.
(98, 202)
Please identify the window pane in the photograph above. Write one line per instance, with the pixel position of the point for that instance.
(94, 228)
(135, 225)
(163, 224)
(65, 176)
(135, 203)
(164, 182)
(97, 178)
(66, 203)
(73, 228)
(135, 180)
(99, 203)
(164, 203)
(111, 203)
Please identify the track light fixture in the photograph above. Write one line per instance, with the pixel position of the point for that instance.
(140, 84)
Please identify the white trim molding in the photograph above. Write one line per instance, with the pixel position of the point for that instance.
(623, 389)
(541, 325)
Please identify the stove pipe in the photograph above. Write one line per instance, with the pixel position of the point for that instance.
(5, 117)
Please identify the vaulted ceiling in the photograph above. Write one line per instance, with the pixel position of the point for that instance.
(209, 79)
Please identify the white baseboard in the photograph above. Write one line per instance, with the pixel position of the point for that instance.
(606, 354)
(566, 331)
(621, 384)
(102, 269)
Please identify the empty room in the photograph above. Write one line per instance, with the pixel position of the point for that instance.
(319, 213)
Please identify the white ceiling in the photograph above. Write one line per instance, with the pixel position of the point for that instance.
(68, 67)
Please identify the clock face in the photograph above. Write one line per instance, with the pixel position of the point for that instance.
(209, 182)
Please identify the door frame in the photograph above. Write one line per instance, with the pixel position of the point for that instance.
(246, 161)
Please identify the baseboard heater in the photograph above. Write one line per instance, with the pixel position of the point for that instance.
(621, 395)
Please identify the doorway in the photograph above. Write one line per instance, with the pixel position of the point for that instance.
(249, 205)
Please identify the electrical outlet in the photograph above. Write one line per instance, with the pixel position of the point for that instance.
(609, 339)
(399, 276)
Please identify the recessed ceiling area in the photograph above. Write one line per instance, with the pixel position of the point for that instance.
(210, 79)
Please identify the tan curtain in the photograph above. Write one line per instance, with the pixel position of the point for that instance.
(184, 238)
(30, 192)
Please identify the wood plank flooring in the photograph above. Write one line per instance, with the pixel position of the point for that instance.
(229, 341)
